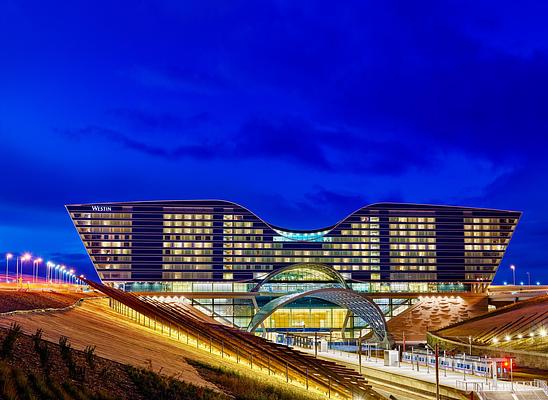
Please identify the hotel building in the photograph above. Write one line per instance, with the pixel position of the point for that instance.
(191, 248)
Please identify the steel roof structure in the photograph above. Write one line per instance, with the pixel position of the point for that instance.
(357, 303)
(327, 270)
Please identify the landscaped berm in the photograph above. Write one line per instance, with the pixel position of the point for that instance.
(93, 352)
(517, 330)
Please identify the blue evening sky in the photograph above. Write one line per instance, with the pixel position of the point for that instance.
(301, 111)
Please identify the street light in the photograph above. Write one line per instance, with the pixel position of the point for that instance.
(9, 256)
(49, 265)
(513, 268)
(529, 278)
(25, 257)
(35, 269)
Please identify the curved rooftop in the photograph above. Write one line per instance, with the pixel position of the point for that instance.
(294, 234)
(357, 303)
(311, 272)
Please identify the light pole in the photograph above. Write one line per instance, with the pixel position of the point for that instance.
(529, 278)
(464, 366)
(25, 257)
(49, 264)
(37, 262)
(9, 256)
(470, 342)
(513, 268)
(437, 358)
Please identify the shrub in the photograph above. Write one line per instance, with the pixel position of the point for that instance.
(8, 344)
(37, 339)
(44, 354)
(74, 392)
(244, 387)
(57, 391)
(65, 348)
(7, 386)
(41, 388)
(24, 390)
(89, 352)
(76, 372)
(160, 387)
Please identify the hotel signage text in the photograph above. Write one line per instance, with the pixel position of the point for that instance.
(101, 208)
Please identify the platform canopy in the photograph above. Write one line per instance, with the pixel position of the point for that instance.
(358, 303)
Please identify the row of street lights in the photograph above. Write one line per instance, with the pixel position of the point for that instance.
(54, 273)
(513, 268)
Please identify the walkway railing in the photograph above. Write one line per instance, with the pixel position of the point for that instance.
(188, 325)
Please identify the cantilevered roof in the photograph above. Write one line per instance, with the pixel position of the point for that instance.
(357, 303)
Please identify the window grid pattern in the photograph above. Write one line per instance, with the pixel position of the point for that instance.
(384, 245)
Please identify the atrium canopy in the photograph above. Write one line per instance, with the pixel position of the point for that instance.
(355, 302)
(304, 272)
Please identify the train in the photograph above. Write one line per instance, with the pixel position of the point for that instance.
(470, 365)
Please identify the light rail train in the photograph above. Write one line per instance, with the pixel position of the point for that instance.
(471, 365)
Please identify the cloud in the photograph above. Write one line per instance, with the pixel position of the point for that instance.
(290, 140)
(159, 122)
(314, 209)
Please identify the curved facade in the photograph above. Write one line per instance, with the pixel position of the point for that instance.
(180, 245)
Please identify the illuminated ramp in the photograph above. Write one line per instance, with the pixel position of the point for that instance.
(242, 347)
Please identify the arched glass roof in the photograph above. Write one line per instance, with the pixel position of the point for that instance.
(357, 303)
(304, 272)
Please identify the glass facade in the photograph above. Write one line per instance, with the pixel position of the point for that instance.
(219, 246)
